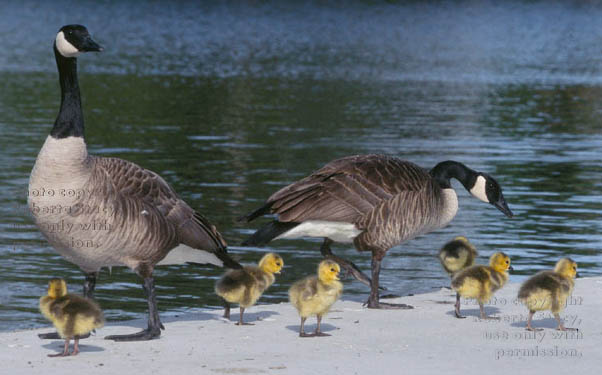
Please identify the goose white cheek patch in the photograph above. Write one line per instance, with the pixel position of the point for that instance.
(64, 47)
(478, 190)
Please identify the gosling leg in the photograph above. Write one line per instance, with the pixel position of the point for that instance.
(240, 320)
(485, 316)
(318, 331)
(457, 305)
(529, 326)
(75, 345)
(561, 326)
(302, 329)
(65, 352)
(226, 309)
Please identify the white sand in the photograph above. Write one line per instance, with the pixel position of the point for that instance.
(425, 340)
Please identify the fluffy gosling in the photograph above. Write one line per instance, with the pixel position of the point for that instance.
(480, 282)
(72, 315)
(549, 290)
(314, 295)
(245, 286)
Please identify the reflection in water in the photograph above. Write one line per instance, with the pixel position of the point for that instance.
(239, 109)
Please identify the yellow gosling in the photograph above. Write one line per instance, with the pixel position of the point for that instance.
(480, 282)
(549, 290)
(314, 295)
(457, 255)
(72, 315)
(245, 286)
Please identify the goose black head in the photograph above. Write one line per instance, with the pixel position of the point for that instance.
(488, 190)
(72, 40)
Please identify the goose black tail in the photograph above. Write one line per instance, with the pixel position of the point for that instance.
(268, 232)
(263, 210)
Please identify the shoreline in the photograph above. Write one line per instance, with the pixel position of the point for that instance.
(423, 340)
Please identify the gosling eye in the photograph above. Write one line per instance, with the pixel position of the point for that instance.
(507, 262)
(332, 269)
(277, 263)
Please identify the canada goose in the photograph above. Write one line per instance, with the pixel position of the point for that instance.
(314, 295)
(72, 315)
(245, 286)
(480, 282)
(374, 201)
(457, 255)
(140, 217)
(549, 290)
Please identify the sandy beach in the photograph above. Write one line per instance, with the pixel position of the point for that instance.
(425, 340)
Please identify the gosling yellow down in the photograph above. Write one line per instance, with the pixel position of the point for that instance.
(457, 255)
(245, 286)
(549, 290)
(72, 315)
(480, 282)
(314, 295)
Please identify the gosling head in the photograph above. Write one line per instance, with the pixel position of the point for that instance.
(271, 263)
(486, 189)
(500, 262)
(566, 267)
(72, 40)
(328, 271)
(462, 239)
(57, 288)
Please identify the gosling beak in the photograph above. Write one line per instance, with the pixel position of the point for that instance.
(503, 206)
(510, 268)
(577, 275)
(90, 45)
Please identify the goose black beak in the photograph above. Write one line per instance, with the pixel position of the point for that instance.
(90, 45)
(503, 206)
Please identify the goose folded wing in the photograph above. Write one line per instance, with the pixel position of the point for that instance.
(347, 189)
(140, 191)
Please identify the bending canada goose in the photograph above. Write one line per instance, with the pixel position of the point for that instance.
(549, 290)
(72, 315)
(245, 286)
(112, 212)
(457, 255)
(314, 295)
(480, 282)
(374, 201)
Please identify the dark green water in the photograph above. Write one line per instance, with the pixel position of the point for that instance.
(229, 103)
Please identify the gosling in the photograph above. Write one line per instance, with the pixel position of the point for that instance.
(314, 295)
(72, 315)
(480, 282)
(245, 286)
(457, 255)
(549, 290)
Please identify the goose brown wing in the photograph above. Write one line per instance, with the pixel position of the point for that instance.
(346, 189)
(139, 191)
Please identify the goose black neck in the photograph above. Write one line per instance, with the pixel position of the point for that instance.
(446, 170)
(70, 120)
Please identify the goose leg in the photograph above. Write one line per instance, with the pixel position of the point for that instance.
(154, 323)
(65, 352)
(349, 266)
(318, 331)
(561, 326)
(373, 300)
(457, 305)
(529, 319)
(89, 285)
(240, 320)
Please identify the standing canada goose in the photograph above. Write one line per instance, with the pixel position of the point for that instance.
(457, 255)
(374, 201)
(245, 286)
(480, 282)
(72, 315)
(314, 295)
(111, 212)
(549, 290)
